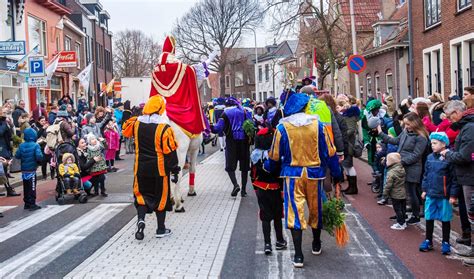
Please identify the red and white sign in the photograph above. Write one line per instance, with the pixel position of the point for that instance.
(67, 59)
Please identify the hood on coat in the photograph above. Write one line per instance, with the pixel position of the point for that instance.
(66, 156)
(352, 111)
(29, 135)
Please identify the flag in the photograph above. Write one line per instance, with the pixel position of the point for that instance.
(110, 86)
(314, 69)
(53, 65)
(84, 77)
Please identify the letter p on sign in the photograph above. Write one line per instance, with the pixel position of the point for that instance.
(36, 66)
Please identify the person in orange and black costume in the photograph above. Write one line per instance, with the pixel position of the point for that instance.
(268, 187)
(155, 160)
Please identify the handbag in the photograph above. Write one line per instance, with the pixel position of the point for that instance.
(358, 147)
(15, 165)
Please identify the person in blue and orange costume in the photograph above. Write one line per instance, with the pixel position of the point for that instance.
(267, 186)
(299, 146)
(155, 160)
(237, 143)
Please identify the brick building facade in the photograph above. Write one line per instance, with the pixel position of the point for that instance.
(443, 46)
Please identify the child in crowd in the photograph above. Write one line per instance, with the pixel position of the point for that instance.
(395, 189)
(70, 173)
(268, 189)
(439, 191)
(99, 168)
(112, 138)
(29, 152)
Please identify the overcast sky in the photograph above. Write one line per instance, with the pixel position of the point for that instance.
(156, 17)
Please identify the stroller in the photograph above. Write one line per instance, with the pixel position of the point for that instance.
(61, 149)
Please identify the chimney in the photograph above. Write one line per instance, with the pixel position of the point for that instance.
(388, 7)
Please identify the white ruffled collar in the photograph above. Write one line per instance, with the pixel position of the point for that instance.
(299, 119)
(154, 118)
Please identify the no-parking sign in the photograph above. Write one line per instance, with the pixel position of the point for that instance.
(356, 64)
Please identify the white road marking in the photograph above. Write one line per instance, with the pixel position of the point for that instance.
(26, 223)
(42, 253)
(6, 207)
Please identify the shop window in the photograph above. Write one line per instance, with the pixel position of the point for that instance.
(56, 89)
(432, 12)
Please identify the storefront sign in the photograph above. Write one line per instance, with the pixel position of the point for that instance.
(67, 59)
(12, 48)
(38, 82)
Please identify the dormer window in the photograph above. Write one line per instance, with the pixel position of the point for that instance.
(377, 36)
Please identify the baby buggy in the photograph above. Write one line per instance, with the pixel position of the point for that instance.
(61, 192)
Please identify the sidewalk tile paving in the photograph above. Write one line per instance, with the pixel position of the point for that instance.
(197, 247)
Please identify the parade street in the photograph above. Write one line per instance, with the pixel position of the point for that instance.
(217, 236)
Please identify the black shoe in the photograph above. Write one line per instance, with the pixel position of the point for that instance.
(281, 245)
(243, 194)
(193, 194)
(104, 194)
(235, 191)
(1, 215)
(466, 253)
(11, 192)
(139, 235)
(163, 233)
(94, 194)
(27, 206)
(413, 220)
(34, 207)
(316, 248)
(394, 217)
(298, 262)
(268, 249)
(465, 239)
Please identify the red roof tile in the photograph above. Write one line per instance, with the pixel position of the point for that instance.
(365, 13)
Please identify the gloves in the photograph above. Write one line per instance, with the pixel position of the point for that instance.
(175, 173)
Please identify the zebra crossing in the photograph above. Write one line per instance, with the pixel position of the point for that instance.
(31, 243)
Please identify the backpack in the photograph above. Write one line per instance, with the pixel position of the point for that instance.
(53, 136)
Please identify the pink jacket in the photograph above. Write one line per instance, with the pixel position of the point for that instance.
(112, 138)
(431, 127)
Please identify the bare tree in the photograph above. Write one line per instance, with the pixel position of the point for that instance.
(135, 54)
(318, 26)
(215, 24)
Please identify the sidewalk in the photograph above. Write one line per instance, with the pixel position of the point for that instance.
(196, 248)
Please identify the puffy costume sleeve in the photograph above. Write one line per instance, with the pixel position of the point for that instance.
(169, 147)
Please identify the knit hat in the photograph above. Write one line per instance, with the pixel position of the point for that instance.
(373, 122)
(155, 104)
(296, 103)
(393, 158)
(89, 116)
(440, 136)
(66, 156)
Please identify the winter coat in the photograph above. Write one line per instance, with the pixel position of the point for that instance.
(29, 152)
(16, 115)
(5, 140)
(84, 163)
(411, 147)
(95, 129)
(112, 138)
(395, 182)
(463, 154)
(351, 117)
(66, 130)
(97, 167)
(439, 180)
(39, 111)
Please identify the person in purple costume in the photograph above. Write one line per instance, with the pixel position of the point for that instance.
(237, 143)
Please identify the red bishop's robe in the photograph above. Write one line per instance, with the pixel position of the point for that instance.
(177, 82)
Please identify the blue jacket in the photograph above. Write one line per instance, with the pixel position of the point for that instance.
(29, 152)
(439, 180)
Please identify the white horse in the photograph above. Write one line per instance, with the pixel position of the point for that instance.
(187, 147)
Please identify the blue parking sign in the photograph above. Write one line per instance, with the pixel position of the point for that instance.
(36, 66)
